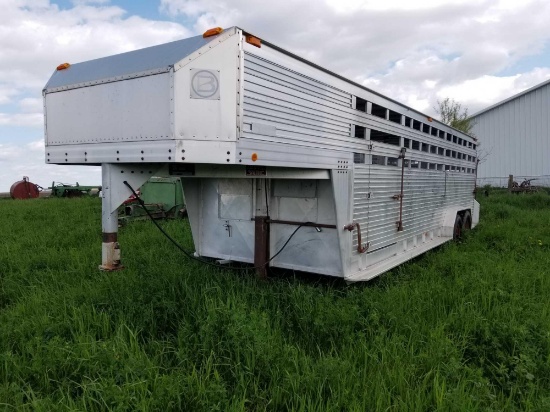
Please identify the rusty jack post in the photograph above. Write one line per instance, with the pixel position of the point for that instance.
(110, 253)
(261, 245)
(110, 250)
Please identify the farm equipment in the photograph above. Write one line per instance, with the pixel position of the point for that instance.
(523, 187)
(23, 189)
(67, 190)
(161, 196)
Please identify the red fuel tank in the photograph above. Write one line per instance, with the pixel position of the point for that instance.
(24, 189)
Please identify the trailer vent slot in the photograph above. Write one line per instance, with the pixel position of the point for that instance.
(360, 132)
(383, 137)
(359, 158)
(360, 104)
(378, 160)
(379, 111)
(416, 125)
(425, 128)
(415, 145)
(395, 117)
(393, 161)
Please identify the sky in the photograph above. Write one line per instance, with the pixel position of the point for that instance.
(477, 52)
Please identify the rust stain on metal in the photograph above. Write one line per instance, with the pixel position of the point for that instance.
(400, 196)
(110, 237)
(261, 245)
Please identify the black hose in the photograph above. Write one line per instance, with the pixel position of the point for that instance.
(189, 254)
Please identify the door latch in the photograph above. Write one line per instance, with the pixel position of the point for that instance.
(227, 227)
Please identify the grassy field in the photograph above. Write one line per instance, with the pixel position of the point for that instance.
(465, 327)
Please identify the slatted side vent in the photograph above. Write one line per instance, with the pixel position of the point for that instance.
(299, 109)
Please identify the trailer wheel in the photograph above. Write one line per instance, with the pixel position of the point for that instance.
(457, 231)
(467, 221)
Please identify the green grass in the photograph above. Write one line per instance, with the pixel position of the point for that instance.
(465, 327)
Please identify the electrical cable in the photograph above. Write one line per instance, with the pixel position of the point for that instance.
(190, 255)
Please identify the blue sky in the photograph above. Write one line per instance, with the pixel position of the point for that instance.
(477, 52)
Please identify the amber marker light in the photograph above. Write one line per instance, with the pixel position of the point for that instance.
(63, 66)
(212, 32)
(254, 157)
(253, 40)
(430, 119)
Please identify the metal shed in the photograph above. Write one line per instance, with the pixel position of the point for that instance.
(515, 138)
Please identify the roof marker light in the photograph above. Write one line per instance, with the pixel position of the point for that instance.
(63, 66)
(212, 32)
(253, 40)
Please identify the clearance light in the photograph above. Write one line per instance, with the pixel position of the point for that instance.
(430, 119)
(253, 40)
(63, 66)
(254, 157)
(212, 32)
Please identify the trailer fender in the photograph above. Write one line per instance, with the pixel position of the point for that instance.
(475, 214)
(449, 218)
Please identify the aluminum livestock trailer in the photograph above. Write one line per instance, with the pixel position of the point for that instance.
(268, 145)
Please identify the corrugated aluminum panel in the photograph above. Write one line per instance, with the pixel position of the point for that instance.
(283, 105)
(426, 196)
(515, 137)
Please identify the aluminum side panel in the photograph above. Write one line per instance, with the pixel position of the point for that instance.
(125, 111)
(310, 249)
(342, 186)
(205, 118)
(226, 211)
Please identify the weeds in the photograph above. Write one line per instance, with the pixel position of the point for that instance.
(464, 327)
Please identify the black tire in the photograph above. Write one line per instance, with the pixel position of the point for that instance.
(457, 230)
(466, 221)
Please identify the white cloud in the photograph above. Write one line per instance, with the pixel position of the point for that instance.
(22, 119)
(410, 50)
(17, 161)
(31, 105)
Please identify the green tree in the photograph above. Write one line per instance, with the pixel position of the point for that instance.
(455, 115)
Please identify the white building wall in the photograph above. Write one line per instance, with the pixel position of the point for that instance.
(514, 138)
